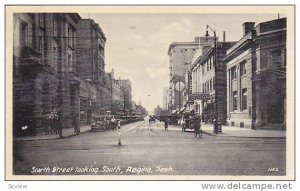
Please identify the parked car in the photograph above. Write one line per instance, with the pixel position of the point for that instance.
(99, 123)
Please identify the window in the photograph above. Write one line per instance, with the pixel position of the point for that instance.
(214, 83)
(54, 25)
(55, 56)
(41, 20)
(70, 37)
(243, 68)
(234, 100)
(23, 34)
(244, 99)
(233, 73)
(208, 85)
(69, 61)
(209, 64)
(276, 58)
(41, 45)
(211, 85)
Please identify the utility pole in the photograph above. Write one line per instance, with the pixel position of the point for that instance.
(216, 120)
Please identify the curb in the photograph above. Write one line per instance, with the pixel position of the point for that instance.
(224, 135)
(63, 137)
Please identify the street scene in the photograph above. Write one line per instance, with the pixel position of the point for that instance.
(149, 94)
(148, 149)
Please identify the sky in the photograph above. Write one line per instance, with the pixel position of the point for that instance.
(137, 44)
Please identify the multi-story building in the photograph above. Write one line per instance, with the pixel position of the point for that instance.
(44, 69)
(111, 95)
(256, 76)
(180, 58)
(209, 82)
(90, 64)
(165, 98)
(126, 93)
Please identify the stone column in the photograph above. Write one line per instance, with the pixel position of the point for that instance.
(258, 121)
(238, 79)
(228, 94)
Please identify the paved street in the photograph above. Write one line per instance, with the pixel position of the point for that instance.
(147, 149)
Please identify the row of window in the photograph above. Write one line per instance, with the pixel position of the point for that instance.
(243, 70)
(24, 40)
(24, 33)
(208, 86)
(243, 100)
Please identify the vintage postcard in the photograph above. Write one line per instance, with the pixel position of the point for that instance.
(150, 92)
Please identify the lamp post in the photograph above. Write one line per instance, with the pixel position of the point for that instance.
(216, 120)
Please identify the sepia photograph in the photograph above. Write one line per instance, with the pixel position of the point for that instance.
(150, 92)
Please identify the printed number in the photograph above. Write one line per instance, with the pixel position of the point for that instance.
(273, 170)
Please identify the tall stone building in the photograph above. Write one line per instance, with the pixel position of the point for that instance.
(180, 59)
(256, 76)
(90, 66)
(44, 69)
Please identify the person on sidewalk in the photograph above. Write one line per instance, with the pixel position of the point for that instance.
(166, 123)
(51, 123)
(56, 124)
(46, 124)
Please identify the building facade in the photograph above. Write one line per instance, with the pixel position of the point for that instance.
(209, 82)
(126, 93)
(90, 66)
(44, 69)
(256, 76)
(180, 59)
(111, 96)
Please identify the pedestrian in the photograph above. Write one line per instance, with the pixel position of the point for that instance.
(166, 123)
(46, 124)
(51, 124)
(55, 123)
(113, 123)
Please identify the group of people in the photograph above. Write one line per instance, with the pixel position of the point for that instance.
(52, 126)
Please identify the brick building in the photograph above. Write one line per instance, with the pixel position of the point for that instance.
(44, 69)
(111, 96)
(180, 59)
(209, 80)
(256, 76)
(90, 66)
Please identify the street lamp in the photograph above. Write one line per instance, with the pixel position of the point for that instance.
(216, 120)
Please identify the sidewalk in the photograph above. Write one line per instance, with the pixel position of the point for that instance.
(65, 133)
(230, 131)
